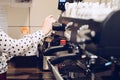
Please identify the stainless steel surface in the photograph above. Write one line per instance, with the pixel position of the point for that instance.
(55, 71)
(45, 64)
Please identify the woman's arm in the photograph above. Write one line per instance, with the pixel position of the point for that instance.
(26, 46)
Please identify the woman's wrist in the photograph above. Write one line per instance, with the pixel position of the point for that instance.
(45, 31)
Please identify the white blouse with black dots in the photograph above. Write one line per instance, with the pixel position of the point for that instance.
(26, 46)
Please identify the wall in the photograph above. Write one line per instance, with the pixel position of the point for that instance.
(32, 17)
(42, 8)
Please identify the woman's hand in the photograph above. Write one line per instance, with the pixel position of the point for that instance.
(47, 24)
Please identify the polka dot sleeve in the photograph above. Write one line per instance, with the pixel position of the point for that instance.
(26, 46)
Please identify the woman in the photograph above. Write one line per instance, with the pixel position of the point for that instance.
(26, 46)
